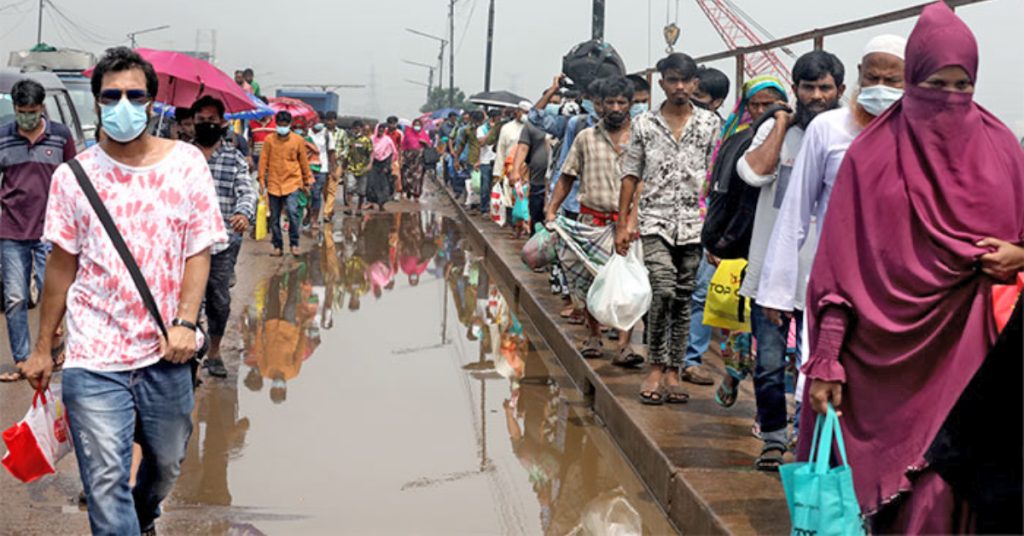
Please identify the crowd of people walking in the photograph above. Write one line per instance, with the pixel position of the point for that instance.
(873, 238)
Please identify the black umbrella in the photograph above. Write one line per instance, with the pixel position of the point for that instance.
(501, 99)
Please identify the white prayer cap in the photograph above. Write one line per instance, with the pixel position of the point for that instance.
(525, 105)
(886, 44)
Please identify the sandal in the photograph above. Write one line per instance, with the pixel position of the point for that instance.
(628, 358)
(676, 394)
(10, 373)
(728, 390)
(593, 347)
(295, 251)
(576, 319)
(771, 462)
(277, 253)
(652, 398)
(651, 392)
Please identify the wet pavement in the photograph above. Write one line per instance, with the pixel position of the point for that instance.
(380, 384)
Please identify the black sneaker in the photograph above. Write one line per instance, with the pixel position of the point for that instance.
(215, 368)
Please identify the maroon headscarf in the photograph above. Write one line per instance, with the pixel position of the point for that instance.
(918, 188)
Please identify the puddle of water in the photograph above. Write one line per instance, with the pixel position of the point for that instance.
(387, 388)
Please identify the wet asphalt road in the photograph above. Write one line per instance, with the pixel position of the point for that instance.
(379, 384)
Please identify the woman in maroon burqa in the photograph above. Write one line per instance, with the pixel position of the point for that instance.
(901, 293)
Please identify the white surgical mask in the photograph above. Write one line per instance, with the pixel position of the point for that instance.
(877, 99)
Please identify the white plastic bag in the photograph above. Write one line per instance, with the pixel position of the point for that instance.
(41, 439)
(621, 293)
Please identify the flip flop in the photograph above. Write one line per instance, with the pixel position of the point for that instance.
(10, 373)
(628, 358)
(652, 398)
(728, 390)
(592, 348)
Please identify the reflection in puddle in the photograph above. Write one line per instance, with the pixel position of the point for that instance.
(387, 387)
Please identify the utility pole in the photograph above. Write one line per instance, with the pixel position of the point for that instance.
(39, 27)
(597, 30)
(440, 55)
(490, 46)
(451, 53)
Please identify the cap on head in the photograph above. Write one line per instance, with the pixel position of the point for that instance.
(886, 44)
(525, 106)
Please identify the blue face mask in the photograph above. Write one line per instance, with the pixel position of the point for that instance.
(637, 109)
(551, 109)
(283, 131)
(124, 121)
(588, 106)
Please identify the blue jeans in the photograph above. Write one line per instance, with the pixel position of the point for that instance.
(18, 259)
(290, 204)
(770, 372)
(316, 192)
(700, 335)
(107, 411)
(485, 187)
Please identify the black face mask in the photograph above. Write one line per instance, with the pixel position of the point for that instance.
(208, 134)
(615, 120)
(700, 104)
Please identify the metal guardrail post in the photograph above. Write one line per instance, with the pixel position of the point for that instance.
(819, 42)
(740, 60)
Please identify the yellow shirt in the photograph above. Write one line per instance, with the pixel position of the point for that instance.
(284, 166)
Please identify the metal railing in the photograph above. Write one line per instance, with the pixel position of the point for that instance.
(818, 36)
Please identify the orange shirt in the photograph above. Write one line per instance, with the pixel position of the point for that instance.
(284, 166)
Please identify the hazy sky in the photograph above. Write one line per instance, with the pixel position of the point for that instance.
(360, 42)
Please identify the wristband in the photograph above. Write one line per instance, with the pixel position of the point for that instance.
(178, 322)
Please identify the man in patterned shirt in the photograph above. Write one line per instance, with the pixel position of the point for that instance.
(237, 199)
(670, 152)
(360, 154)
(123, 381)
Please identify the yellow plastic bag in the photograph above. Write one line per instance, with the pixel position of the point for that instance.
(261, 218)
(725, 308)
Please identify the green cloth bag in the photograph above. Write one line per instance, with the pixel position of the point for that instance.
(821, 499)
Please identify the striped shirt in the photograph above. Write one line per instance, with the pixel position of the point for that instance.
(235, 191)
(26, 169)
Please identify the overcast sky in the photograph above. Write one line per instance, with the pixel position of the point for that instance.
(360, 42)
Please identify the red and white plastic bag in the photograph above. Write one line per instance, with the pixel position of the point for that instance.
(41, 439)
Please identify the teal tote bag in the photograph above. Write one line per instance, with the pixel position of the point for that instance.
(821, 498)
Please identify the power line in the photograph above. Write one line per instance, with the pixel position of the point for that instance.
(462, 38)
(16, 25)
(13, 5)
(88, 34)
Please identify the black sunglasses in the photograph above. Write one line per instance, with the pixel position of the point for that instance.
(136, 96)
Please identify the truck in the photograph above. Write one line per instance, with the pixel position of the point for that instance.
(67, 64)
(321, 101)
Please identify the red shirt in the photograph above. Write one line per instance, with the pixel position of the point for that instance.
(396, 136)
(260, 131)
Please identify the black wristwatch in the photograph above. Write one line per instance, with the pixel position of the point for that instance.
(183, 323)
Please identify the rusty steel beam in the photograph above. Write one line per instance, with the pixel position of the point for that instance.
(821, 33)
(818, 35)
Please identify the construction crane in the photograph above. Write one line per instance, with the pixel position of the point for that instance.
(731, 23)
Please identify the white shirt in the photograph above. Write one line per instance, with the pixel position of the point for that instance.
(487, 154)
(320, 140)
(807, 197)
(507, 140)
(772, 191)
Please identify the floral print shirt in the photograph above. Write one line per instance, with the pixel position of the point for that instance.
(167, 213)
(671, 172)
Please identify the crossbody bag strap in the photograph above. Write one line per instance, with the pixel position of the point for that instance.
(118, 241)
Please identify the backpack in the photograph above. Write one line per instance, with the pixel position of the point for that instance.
(732, 202)
(591, 60)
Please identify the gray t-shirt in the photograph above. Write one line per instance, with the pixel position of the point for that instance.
(773, 190)
(539, 154)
